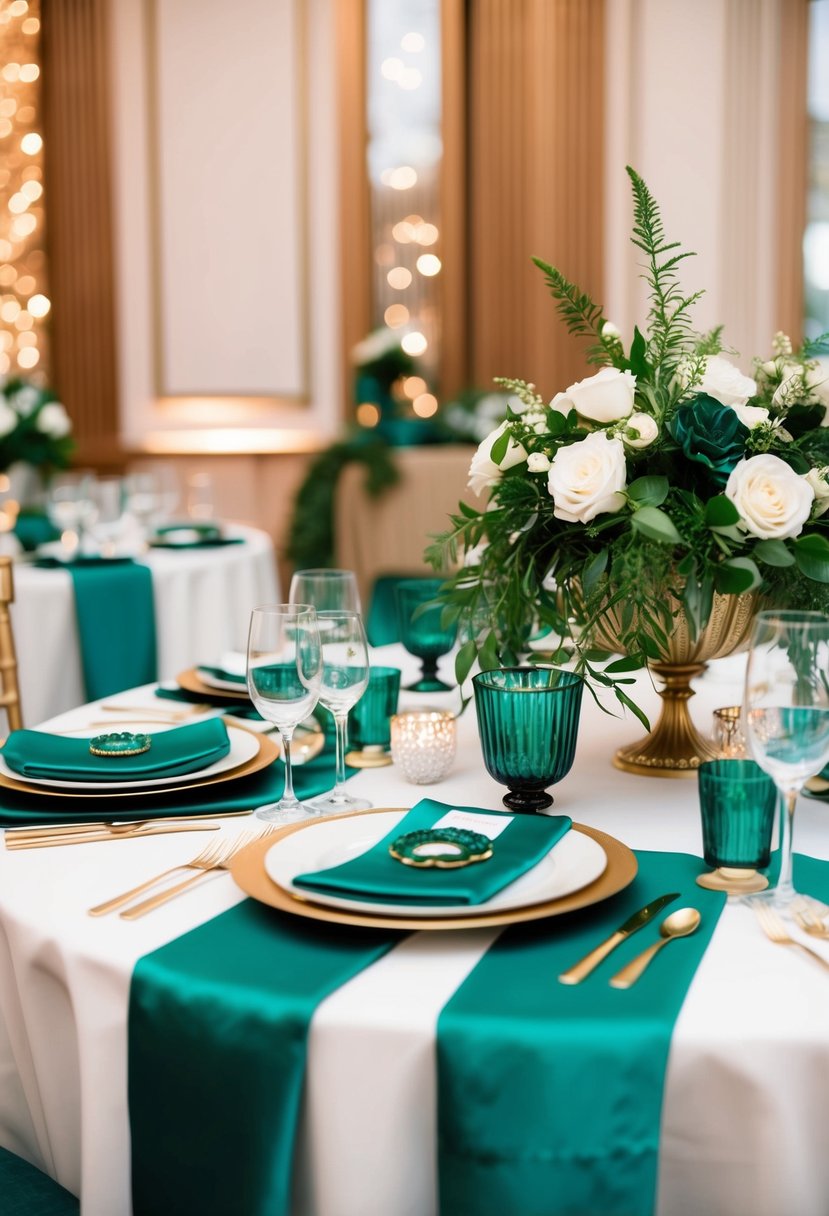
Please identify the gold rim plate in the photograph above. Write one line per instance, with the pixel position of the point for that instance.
(267, 753)
(249, 873)
(189, 680)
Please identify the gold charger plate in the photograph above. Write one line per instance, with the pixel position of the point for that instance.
(249, 873)
(267, 753)
(189, 680)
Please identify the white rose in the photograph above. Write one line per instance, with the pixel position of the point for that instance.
(483, 471)
(25, 399)
(817, 480)
(9, 418)
(605, 397)
(774, 502)
(725, 382)
(474, 555)
(751, 415)
(53, 420)
(644, 426)
(586, 478)
(609, 330)
(804, 386)
(537, 462)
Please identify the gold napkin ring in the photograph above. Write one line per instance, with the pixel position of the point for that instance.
(120, 743)
(423, 849)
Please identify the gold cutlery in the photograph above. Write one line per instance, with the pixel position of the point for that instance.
(774, 929)
(811, 923)
(202, 860)
(175, 715)
(575, 974)
(51, 842)
(72, 829)
(679, 924)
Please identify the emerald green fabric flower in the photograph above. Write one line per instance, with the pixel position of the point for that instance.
(710, 434)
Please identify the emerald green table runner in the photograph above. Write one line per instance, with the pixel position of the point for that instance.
(550, 1095)
(241, 794)
(116, 622)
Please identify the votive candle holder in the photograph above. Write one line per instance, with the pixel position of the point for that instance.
(423, 744)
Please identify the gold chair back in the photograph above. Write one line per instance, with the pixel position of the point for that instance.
(9, 689)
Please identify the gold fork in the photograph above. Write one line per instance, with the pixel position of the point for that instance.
(775, 931)
(218, 863)
(811, 923)
(202, 860)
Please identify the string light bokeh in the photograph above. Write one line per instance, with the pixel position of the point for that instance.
(24, 300)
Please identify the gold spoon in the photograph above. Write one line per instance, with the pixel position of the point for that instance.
(678, 924)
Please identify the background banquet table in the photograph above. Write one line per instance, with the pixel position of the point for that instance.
(743, 1123)
(202, 601)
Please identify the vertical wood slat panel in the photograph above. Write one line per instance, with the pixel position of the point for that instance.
(452, 282)
(792, 172)
(79, 219)
(535, 133)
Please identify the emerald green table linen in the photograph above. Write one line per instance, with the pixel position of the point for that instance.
(38, 754)
(218, 1024)
(376, 875)
(239, 794)
(115, 612)
(550, 1095)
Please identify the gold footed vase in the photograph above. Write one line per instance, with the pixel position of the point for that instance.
(674, 747)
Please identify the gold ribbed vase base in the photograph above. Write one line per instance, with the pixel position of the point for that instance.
(674, 748)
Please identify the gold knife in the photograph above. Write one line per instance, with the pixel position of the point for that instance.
(50, 842)
(638, 921)
(116, 827)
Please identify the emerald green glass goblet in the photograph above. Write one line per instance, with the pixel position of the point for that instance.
(369, 722)
(737, 801)
(528, 720)
(422, 632)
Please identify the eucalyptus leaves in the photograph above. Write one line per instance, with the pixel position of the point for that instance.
(664, 477)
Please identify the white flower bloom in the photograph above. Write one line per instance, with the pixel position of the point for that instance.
(534, 418)
(804, 386)
(378, 343)
(53, 420)
(725, 382)
(644, 426)
(751, 415)
(517, 405)
(483, 471)
(586, 478)
(9, 418)
(537, 462)
(609, 330)
(473, 555)
(774, 502)
(25, 399)
(540, 428)
(605, 397)
(817, 479)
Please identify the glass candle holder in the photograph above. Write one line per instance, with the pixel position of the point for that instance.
(528, 720)
(369, 722)
(423, 744)
(422, 631)
(737, 803)
(729, 740)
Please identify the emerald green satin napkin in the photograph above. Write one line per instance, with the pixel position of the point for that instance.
(116, 622)
(550, 1095)
(240, 709)
(376, 875)
(35, 753)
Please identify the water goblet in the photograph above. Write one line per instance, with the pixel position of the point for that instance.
(787, 715)
(422, 630)
(326, 590)
(528, 720)
(369, 723)
(71, 508)
(344, 678)
(284, 666)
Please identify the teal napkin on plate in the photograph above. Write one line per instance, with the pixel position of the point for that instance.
(376, 875)
(189, 535)
(34, 753)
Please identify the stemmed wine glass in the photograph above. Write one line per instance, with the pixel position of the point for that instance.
(345, 670)
(327, 590)
(284, 667)
(787, 714)
(71, 508)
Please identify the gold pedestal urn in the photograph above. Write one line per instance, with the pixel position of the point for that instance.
(675, 748)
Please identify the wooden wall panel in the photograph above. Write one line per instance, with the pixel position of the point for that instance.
(791, 171)
(79, 219)
(536, 99)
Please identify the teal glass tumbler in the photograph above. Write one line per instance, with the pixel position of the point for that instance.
(528, 721)
(422, 632)
(369, 722)
(737, 802)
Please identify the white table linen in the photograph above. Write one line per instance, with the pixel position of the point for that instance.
(743, 1130)
(202, 598)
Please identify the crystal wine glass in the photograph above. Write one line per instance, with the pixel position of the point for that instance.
(345, 671)
(71, 509)
(326, 590)
(284, 665)
(787, 714)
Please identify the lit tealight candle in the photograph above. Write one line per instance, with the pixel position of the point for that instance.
(423, 744)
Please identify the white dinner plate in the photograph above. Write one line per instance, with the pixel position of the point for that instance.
(574, 862)
(243, 747)
(210, 681)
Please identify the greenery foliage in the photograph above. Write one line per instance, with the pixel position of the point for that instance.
(34, 427)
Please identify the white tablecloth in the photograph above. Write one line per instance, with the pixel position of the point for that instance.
(203, 598)
(744, 1127)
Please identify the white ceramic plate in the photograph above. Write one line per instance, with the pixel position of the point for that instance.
(575, 861)
(211, 681)
(243, 747)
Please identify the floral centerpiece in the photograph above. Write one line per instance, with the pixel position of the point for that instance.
(34, 427)
(643, 496)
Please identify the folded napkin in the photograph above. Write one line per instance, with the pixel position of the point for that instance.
(240, 709)
(519, 842)
(189, 535)
(220, 673)
(34, 753)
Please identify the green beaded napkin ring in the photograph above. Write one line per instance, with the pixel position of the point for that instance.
(463, 848)
(120, 743)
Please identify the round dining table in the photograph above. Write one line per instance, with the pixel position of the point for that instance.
(202, 597)
(743, 1127)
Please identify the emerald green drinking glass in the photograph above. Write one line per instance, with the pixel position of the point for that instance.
(422, 631)
(528, 720)
(369, 722)
(737, 802)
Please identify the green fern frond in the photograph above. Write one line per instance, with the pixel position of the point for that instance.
(580, 314)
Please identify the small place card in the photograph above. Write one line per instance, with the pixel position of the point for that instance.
(488, 825)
